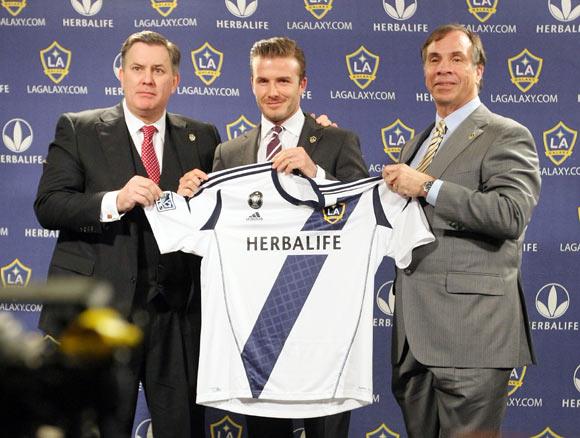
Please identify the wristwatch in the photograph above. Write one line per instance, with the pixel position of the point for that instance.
(427, 186)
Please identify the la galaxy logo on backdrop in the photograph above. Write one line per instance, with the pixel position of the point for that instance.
(394, 136)
(382, 432)
(515, 382)
(362, 66)
(164, 7)
(400, 11)
(552, 302)
(547, 433)
(525, 69)
(239, 127)
(17, 136)
(559, 142)
(242, 9)
(14, 8)
(483, 10)
(15, 274)
(87, 8)
(319, 9)
(225, 428)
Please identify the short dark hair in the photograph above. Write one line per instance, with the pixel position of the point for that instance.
(279, 47)
(152, 39)
(478, 56)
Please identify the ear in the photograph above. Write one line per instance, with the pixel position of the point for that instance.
(303, 84)
(176, 79)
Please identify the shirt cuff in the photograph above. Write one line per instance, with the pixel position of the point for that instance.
(434, 192)
(320, 172)
(109, 212)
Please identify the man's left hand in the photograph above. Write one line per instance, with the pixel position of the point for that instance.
(290, 159)
(405, 180)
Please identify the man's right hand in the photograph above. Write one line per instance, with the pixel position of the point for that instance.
(138, 191)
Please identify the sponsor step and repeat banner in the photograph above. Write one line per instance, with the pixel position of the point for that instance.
(364, 71)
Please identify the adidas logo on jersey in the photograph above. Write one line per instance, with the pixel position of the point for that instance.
(255, 217)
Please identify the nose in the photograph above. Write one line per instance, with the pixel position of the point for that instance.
(272, 89)
(147, 76)
(443, 66)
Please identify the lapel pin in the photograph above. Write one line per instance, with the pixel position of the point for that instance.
(474, 134)
(191, 137)
(312, 139)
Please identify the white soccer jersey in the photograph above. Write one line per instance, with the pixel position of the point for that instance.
(287, 285)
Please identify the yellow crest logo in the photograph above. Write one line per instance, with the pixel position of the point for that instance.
(334, 213)
(482, 9)
(362, 67)
(15, 274)
(382, 432)
(239, 127)
(547, 433)
(207, 62)
(164, 7)
(14, 6)
(559, 142)
(226, 428)
(525, 69)
(318, 8)
(516, 379)
(55, 62)
(394, 137)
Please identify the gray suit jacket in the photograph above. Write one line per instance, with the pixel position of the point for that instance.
(460, 303)
(336, 150)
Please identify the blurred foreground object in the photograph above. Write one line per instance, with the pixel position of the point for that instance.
(62, 388)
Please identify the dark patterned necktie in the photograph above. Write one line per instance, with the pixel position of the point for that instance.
(274, 146)
(433, 146)
(148, 155)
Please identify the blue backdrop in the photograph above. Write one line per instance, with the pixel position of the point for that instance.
(365, 71)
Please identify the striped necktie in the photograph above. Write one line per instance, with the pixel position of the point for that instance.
(274, 146)
(440, 131)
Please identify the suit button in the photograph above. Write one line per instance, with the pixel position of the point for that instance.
(453, 225)
(408, 271)
(132, 280)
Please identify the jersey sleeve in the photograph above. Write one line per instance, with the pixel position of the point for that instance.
(406, 227)
(178, 224)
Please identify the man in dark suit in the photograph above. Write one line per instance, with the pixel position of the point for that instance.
(460, 317)
(101, 168)
(299, 145)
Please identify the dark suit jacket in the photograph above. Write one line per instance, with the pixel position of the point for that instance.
(460, 303)
(92, 154)
(336, 150)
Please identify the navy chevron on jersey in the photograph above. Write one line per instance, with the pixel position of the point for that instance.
(287, 284)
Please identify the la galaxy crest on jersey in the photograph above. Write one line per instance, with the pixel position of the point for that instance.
(334, 213)
(165, 203)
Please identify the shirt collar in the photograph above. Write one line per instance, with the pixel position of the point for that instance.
(293, 125)
(453, 120)
(134, 124)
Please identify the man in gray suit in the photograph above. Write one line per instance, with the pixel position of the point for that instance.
(460, 317)
(294, 142)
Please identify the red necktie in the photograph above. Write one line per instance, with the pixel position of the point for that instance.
(274, 146)
(148, 154)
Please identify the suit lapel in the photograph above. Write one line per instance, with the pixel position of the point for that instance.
(116, 144)
(181, 152)
(310, 135)
(249, 145)
(462, 137)
(409, 151)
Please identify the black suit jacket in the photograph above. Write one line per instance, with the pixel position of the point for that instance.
(336, 150)
(92, 154)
